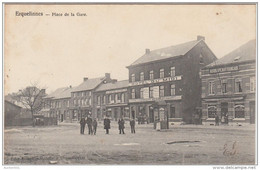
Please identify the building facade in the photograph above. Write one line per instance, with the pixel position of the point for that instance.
(228, 87)
(170, 78)
(82, 97)
(111, 100)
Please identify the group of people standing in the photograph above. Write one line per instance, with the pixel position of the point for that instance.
(92, 125)
(224, 119)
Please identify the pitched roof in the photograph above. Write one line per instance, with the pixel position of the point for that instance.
(8, 101)
(111, 86)
(245, 52)
(168, 52)
(89, 84)
(60, 93)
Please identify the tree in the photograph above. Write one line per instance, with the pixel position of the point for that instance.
(31, 98)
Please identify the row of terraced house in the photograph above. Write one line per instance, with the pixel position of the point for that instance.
(185, 83)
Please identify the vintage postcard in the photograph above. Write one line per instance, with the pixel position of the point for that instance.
(130, 84)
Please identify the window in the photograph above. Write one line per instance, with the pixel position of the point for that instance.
(162, 73)
(172, 89)
(133, 93)
(122, 97)
(116, 98)
(109, 98)
(133, 77)
(252, 84)
(82, 94)
(239, 111)
(141, 93)
(82, 102)
(238, 85)
(86, 102)
(89, 101)
(201, 59)
(212, 111)
(161, 91)
(172, 71)
(104, 99)
(151, 75)
(142, 76)
(224, 87)
(151, 92)
(211, 87)
(98, 100)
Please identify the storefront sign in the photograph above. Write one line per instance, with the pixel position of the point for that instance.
(161, 80)
(154, 99)
(224, 69)
(116, 91)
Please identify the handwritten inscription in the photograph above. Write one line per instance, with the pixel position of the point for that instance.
(230, 150)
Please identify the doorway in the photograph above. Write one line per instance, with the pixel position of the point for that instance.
(224, 112)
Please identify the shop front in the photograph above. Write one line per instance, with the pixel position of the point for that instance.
(117, 112)
(234, 110)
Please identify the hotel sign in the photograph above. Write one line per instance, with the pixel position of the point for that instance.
(161, 80)
(223, 69)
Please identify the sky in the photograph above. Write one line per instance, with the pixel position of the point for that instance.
(59, 51)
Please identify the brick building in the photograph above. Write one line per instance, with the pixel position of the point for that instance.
(111, 99)
(82, 97)
(228, 87)
(57, 104)
(166, 84)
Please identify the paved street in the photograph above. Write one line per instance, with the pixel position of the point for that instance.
(187, 144)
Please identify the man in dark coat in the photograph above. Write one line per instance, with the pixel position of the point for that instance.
(89, 123)
(107, 125)
(121, 126)
(216, 120)
(82, 125)
(132, 124)
(95, 126)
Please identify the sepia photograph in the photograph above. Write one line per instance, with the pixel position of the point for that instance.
(130, 84)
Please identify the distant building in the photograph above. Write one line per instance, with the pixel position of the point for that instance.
(111, 100)
(11, 111)
(82, 97)
(228, 87)
(58, 103)
(170, 78)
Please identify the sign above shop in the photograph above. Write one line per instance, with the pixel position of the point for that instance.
(116, 91)
(223, 69)
(161, 80)
(155, 99)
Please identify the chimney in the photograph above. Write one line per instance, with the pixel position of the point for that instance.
(85, 79)
(113, 81)
(147, 51)
(199, 37)
(107, 75)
